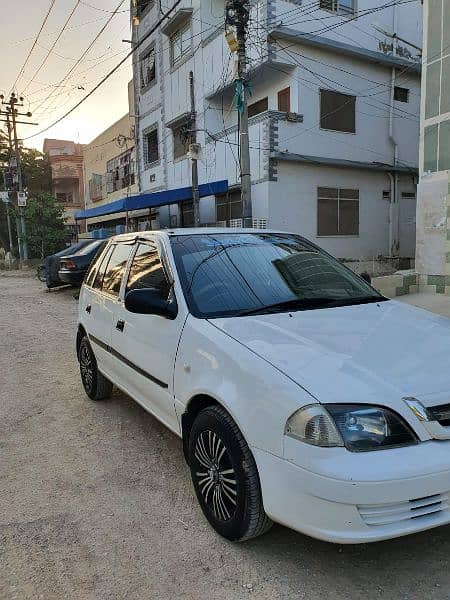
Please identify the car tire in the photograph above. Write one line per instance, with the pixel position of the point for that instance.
(96, 386)
(225, 476)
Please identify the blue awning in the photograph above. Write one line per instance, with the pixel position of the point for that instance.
(153, 200)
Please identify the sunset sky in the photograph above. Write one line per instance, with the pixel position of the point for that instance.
(50, 92)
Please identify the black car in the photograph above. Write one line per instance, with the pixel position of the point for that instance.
(73, 267)
(51, 263)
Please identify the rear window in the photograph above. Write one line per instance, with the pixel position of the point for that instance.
(88, 248)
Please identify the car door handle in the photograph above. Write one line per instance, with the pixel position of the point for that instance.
(88, 309)
(120, 325)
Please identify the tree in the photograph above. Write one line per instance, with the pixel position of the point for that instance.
(37, 181)
(36, 172)
(46, 233)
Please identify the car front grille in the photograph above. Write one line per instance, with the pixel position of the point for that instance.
(419, 508)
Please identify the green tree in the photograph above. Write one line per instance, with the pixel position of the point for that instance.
(36, 172)
(44, 219)
(37, 182)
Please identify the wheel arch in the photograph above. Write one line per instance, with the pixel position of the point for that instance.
(195, 405)
(81, 333)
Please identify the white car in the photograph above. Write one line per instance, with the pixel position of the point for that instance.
(301, 394)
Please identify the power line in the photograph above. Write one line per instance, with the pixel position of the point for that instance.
(77, 3)
(111, 72)
(84, 53)
(34, 44)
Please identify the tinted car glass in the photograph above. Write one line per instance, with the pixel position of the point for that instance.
(116, 268)
(90, 273)
(146, 270)
(230, 274)
(98, 279)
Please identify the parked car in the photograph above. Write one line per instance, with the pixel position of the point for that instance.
(48, 271)
(301, 394)
(73, 267)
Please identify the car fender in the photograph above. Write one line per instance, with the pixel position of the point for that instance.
(258, 396)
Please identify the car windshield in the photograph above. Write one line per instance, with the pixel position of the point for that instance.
(225, 275)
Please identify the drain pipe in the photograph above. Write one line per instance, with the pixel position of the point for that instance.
(393, 205)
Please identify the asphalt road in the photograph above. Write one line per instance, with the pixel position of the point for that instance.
(96, 501)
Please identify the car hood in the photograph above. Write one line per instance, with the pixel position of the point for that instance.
(362, 353)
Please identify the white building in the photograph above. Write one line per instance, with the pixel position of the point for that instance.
(334, 117)
(433, 211)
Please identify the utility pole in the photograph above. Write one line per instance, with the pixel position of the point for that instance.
(11, 123)
(194, 162)
(237, 15)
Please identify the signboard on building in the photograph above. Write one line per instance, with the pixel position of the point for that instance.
(4, 196)
(21, 199)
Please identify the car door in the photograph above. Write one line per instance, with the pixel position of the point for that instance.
(145, 346)
(97, 321)
(102, 307)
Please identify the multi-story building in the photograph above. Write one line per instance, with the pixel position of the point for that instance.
(333, 117)
(66, 162)
(433, 214)
(109, 171)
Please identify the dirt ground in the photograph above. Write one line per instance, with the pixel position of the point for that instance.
(96, 500)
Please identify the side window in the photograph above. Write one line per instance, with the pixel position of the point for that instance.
(103, 261)
(115, 269)
(90, 274)
(147, 271)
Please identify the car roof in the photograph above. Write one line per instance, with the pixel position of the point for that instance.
(190, 231)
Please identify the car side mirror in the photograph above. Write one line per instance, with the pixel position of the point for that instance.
(366, 277)
(148, 301)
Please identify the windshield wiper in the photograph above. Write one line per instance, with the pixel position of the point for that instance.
(308, 304)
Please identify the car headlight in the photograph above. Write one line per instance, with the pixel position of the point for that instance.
(358, 427)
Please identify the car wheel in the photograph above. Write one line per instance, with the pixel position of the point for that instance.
(96, 386)
(225, 476)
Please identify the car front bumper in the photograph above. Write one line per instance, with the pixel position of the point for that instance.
(357, 498)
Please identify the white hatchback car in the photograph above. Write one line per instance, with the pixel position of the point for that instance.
(301, 394)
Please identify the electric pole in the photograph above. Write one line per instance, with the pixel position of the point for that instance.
(237, 15)
(11, 121)
(194, 162)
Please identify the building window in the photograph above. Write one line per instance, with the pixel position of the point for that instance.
(401, 94)
(180, 44)
(337, 211)
(430, 148)
(258, 107)
(343, 7)
(229, 207)
(151, 149)
(96, 187)
(142, 6)
(120, 172)
(64, 197)
(284, 100)
(181, 139)
(148, 68)
(337, 111)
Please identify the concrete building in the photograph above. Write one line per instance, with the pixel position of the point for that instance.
(433, 215)
(109, 163)
(66, 162)
(334, 117)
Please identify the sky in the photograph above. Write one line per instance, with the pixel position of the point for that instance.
(48, 94)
